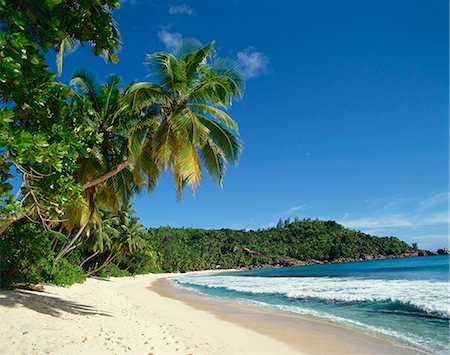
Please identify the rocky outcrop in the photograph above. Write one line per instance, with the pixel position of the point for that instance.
(290, 261)
(443, 251)
(427, 253)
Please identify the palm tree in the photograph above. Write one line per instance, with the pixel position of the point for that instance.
(193, 127)
(117, 236)
(99, 238)
(178, 123)
(111, 116)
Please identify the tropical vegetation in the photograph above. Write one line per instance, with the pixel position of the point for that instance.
(73, 155)
(82, 151)
(123, 247)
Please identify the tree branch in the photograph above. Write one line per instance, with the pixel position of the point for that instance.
(114, 171)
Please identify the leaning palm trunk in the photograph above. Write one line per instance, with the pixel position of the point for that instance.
(70, 246)
(89, 258)
(108, 260)
(114, 171)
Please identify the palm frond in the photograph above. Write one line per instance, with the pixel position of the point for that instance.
(66, 46)
(86, 83)
(186, 47)
(216, 113)
(76, 214)
(230, 69)
(223, 138)
(140, 95)
(196, 59)
(187, 166)
(213, 159)
(168, 70)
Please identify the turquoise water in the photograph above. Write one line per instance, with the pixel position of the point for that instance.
(407, 299)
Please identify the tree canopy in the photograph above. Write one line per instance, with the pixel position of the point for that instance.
(93, 145)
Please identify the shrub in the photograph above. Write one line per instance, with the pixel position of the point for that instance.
(64, 273)
(25, 255)
(112, 270)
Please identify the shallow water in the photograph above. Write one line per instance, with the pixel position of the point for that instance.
(407, 299)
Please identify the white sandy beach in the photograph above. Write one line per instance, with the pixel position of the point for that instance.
(124, 315)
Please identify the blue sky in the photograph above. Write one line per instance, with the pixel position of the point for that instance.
(345, 114)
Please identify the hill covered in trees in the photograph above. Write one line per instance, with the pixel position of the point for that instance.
(297, 243)
(29, 253)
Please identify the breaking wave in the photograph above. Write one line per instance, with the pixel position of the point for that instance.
(419, 296)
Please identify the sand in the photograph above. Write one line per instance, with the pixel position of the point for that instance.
(146, 314)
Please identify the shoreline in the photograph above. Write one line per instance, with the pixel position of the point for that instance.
(305, 334)
(145, 314)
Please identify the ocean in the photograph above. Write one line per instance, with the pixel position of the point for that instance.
(406, 299)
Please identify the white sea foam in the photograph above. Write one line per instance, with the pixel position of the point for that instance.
(428, 296)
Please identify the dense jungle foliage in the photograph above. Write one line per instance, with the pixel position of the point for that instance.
(27, 252)
(185, 249)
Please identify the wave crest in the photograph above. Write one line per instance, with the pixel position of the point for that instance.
(426, 296)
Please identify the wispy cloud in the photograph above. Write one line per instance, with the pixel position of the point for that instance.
(397, 221)
(170, 39)
(435, 201)
(265, 226)
(289, 212)
(397, 215)
(295, 208)
(430, 241)
(253, 63)
(385, 221)
(181, 10)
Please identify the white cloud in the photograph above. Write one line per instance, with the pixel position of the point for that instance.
(295, 208)
(289, 212)
(437, 218)
(386, 221)
(170, 39)
(431, 241)
(181, 10)
(253, 63)
(391, 221)
(435, 200)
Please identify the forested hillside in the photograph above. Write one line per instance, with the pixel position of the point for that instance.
(184, 249)
(29, 254)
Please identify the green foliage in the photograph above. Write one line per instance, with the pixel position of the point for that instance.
(41, 123)
(112, 270)
(26, 257)
(188, 249)
(142, 262)
(65, 274)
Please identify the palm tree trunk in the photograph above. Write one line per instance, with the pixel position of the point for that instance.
(89, 258)
(105, 263)
(114, 171)
(66, 249)
(55, 240)
(98, 180)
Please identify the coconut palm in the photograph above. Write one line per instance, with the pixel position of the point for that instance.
(194, 89)
(180, 123)
(116, 236)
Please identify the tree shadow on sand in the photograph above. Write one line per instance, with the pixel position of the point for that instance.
(46, 303)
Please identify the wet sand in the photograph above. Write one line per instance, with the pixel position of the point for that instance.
(303, 334)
